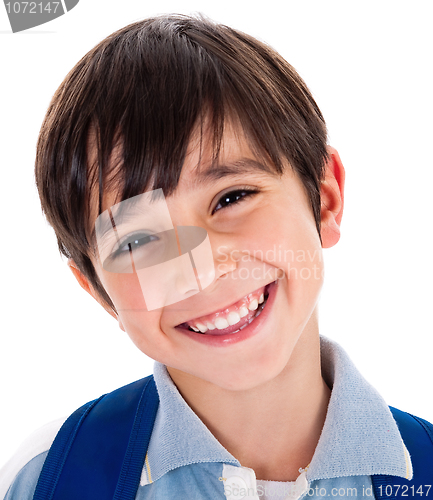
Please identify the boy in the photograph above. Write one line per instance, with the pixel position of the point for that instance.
(185, 170)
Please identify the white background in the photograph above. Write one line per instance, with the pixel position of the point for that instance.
(368, 65)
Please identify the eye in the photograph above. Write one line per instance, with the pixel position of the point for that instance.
(233, 197)
(133, 242)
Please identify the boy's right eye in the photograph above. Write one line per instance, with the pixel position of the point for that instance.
(133, 242)
(142, 249)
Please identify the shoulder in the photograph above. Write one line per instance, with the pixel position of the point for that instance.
(417, 435)
(22, 470)
(412, 425)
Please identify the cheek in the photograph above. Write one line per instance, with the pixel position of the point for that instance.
(141, 325)
(289, 242)
(125, 291)
(304, 257)
(287, 239)
(303, 265)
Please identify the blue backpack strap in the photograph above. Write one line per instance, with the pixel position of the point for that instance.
(417, 435)
(99, 452)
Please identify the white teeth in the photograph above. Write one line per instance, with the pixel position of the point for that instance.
(202, 327)
(221, 323)
(253, 305)
(243, 311)
(233, 318)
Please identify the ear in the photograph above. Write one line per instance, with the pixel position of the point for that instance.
(332, 199)
(86, 285)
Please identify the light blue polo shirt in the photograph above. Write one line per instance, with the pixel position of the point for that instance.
(185, 461)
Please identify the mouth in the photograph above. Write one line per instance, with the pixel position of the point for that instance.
(233, 319)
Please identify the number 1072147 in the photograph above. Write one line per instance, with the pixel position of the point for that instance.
(32, 7)
(404, 490)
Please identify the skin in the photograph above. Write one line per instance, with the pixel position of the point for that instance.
(237, 389)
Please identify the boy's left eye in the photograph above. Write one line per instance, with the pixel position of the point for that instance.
(233, 197)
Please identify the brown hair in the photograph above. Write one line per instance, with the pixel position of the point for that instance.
(147, 86)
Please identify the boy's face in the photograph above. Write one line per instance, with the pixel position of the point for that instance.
(267, 258)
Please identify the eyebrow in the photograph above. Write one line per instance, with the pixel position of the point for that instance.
(236, 168)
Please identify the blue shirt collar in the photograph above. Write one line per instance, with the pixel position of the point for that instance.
(359, 437)
(179, 437)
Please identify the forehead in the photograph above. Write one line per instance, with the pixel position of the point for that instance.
(234, 158)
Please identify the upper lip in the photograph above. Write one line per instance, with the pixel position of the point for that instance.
(222, 308)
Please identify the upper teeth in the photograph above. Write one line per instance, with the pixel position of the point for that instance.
(223, 321)
(253, 305)
(243, 311)
(233, 318)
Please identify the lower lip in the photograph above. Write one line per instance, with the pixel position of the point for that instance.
(232, 338)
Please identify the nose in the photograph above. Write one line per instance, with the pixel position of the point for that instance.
(184, 282)
(178, 278)
(226, 260)
(194, 241)
(167, 283)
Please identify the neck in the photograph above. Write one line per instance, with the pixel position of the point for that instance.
(272, 428)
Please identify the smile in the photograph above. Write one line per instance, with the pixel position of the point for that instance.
(232, 319)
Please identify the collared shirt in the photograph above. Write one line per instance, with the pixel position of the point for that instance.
(185, 461)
